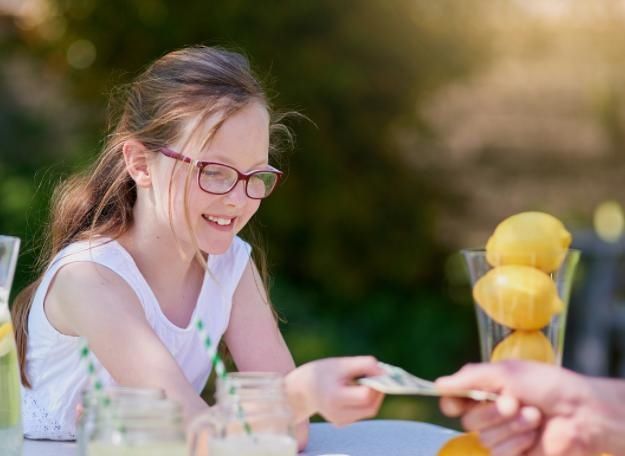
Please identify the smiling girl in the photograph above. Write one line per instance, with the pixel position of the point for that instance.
(146, 242)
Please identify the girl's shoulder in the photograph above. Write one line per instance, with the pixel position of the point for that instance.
(84, 277)
(84, 264)
(85, 249)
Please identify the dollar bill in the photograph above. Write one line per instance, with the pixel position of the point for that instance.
(396, 380)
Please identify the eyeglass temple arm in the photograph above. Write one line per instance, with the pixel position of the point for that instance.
(170, 153)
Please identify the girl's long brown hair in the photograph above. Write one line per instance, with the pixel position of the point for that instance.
(178, 87)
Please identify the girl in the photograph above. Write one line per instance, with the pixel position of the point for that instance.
(145, 243)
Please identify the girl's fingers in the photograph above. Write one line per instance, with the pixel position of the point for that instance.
(352, 414)
(357, 396)
(359, 366)
(348, 414)
(456, 406)
(78, 411)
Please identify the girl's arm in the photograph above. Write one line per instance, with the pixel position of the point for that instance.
(325, 386)
(253, 337)
(90, 300)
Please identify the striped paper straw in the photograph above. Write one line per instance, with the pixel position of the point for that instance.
(94, 381)
(220, 369)
(97, 386)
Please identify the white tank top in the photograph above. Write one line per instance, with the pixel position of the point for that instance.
(54, 367)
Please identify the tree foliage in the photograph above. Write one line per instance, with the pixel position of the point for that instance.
(350, 233)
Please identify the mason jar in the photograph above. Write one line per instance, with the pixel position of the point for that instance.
(92, 399)
(137, 427)
(251, 417)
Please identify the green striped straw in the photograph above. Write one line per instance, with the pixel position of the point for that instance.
(94, 380)
(220, 370)
(96, 383)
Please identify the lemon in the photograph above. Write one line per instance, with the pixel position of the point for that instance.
(6, 338)
(5, 329)
(525, 345)
(530, 238)
(464, 445)
(519, 297)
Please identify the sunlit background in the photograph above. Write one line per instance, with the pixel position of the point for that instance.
(431, 122)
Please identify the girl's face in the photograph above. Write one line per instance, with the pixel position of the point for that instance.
(242, 142)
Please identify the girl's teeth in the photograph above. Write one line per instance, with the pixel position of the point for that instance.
(220, 221)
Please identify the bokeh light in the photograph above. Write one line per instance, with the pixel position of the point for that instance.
(81, 54)
(609, 221)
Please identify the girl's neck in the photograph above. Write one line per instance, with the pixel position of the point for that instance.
(174, 275)
(158, 250)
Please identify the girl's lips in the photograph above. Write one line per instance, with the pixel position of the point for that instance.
(217, 226)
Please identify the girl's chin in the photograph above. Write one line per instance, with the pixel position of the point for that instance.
(214, 247)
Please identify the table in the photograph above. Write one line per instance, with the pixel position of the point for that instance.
(365, 438)
(377, 438)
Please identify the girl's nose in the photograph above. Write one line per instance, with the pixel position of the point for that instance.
(237, 196)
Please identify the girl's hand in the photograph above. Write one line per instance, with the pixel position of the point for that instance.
(78, 411)
(328, 387)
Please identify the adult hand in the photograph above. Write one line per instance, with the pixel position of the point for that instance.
(542, 409)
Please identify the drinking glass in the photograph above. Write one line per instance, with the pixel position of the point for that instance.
(515, 323)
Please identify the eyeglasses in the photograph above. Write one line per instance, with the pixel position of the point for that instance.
(219, 179)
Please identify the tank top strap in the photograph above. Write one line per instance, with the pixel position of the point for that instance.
(105, 252)
(220, 282)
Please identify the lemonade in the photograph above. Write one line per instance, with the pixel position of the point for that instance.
(147, 449)
(10, 396)
(254, 445)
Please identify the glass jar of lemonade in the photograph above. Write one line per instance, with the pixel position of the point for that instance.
(92, 400)
(251, 418)
(10, 395)
(138, 427)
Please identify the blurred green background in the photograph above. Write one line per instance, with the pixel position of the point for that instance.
(431, 122)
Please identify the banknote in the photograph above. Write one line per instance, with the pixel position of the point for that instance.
(396, 380)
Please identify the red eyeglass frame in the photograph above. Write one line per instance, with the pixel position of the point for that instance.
(240, 176)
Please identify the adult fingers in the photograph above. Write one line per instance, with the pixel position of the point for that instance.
(486, 376)
(516, 445)
(507, 405)
(483, 416)
(528, 419)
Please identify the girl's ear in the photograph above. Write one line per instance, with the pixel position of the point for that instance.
(136, 157)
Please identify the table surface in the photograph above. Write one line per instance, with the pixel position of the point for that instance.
(365, 438)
